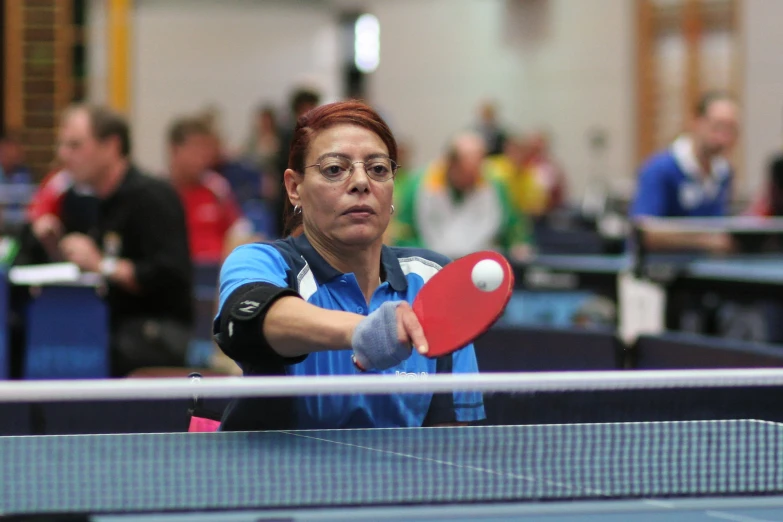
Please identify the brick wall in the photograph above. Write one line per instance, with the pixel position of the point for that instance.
(46, 84)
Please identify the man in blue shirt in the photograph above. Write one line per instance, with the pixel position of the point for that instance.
(691, 178)
(16, 181)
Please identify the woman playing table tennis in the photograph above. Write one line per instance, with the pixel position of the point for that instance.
(331, 298)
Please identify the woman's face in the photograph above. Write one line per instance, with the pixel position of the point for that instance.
(354, 211)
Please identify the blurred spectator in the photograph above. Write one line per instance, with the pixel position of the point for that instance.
(692, 178)
(457, 206)
(262, 151)
(769, 202)
(404, 175)
(546, 170)
(489, 128)
(15, 181)
(405, 169)
(12, 160)
(513, 168)
(243, 178)
(139, 243)
(302, 100)
(214, 220)
(59, 206)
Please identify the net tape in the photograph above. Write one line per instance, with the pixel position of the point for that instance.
(229, 387)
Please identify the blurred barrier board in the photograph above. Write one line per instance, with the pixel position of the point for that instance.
(67, 334)
(674, 350)
(206, 277)
(205, 294)
(4, 326)
(529, 349)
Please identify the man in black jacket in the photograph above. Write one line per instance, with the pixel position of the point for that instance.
(139, 243)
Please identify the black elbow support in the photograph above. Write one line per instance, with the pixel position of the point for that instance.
(239, 328)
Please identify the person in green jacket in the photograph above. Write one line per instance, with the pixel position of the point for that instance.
(458, 206)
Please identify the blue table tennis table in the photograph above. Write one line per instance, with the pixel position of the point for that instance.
(543, 271)
(755, 281)
(702, 470)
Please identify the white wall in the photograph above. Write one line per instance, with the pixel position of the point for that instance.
(97, 52)
(564, 64)
(439, 58)
(189, 54)
(763, 86)
(583, 78)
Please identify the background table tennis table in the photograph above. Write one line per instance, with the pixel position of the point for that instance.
(599, 272)
(550, 472)
(736, 225)
(694, 283)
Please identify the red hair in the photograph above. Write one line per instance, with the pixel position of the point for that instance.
(352, 112)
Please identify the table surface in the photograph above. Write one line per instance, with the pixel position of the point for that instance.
(421, 474)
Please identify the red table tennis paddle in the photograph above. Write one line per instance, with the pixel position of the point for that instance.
(462, 300)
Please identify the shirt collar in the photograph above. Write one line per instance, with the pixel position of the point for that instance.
(324, 272)
(127, 181)
(682, 150)
(394, 274)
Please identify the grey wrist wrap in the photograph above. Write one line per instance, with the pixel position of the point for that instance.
(375, 345)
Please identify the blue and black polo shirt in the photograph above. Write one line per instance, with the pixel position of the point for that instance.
(671, 184)
(294, 265)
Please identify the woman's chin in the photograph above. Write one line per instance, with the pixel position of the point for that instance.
(359, 234)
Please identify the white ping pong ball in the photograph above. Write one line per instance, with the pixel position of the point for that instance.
(487, 275)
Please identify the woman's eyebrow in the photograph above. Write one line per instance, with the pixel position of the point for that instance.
(375, 155)
(333, 155)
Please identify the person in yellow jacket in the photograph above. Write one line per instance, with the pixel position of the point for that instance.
(525, 191)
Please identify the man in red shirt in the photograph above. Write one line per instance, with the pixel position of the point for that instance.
(215, 222)
(58, 207)
(45, 210)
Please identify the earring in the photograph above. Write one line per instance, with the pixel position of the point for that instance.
(392, 209)
(297, 210)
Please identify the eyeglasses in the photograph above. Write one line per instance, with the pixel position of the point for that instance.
(339, 168)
